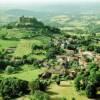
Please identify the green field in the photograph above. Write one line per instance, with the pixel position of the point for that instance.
(23, 48)
(65, 89)
(27, 73)
(8, 43)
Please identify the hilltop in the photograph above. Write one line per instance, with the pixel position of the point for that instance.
(26, 27)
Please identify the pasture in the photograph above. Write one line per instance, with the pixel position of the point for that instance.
(25, 47)
(8, 43)
(67, 90)
(27, 73)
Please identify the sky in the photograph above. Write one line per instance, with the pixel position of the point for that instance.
(9, 2)
(19, 3)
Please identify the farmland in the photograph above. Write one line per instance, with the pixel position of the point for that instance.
(7, 43)
(27, 73)
(24, 48)
(67, 90)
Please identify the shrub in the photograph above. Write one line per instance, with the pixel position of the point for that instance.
(73, 98)
(97, 79)
(17, 63)
(58, 81)
(34, 86)
(38, 85)
(39, 95)
(3, 64)
(29, 60)
(51, 53)
(97, 49)
(89, 80)
(91, 48)
(93, 66)
(81, 81)
(9, 69)
(91, 91)
(43, 85)
(9, 26)
(54, 77)
(77, 82)
(13, 87)
(63, 98)
(0, 79)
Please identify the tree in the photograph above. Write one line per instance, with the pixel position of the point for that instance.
(9, 26)
(77, 82)
(51, 53)
(94, 73)
(73, 98)
(13, 87)
(38, 85)
(4, 63)
(93, 66)
(97, 79)
(91, 91)
(97, 49)
(9, 69)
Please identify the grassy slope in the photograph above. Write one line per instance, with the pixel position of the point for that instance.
(24, 48)
(27, 73)
(7, 43)
(18, 33)
(66, 89)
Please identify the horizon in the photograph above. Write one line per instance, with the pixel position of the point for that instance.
(42, 3)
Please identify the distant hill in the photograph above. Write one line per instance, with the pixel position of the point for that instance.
(45, 13)
(19, 12)
(27, 27)
(12, 15)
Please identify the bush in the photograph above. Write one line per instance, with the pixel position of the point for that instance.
(77, 82)
(39, 95)
(53, 51)
(0, 79)
(54, 77)
(58, 81)
(73, 98)
(9, 69)
(38, 85)
(97, 49)
(13, 87)
(63, 98)
(89, 80)
(34, 86)
(97, 79)
(91, 91)
(3, 64)
(81, 81)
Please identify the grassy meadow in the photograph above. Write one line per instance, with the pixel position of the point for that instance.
(67, 90)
